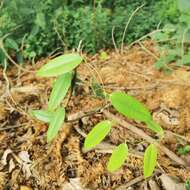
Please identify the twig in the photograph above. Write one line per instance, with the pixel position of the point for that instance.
(1, 4)
(107, 148)
(79, 48)
(91, 69)
(10, 59)
(147, 87)
(132, 182)
(182, 43)
(9, 127)
(145, 36)
(83, 134)
(58, 34)
(148, 51)
(113, 39)
(146, 137)
(178, 136)
(81, 114)
(127, 25)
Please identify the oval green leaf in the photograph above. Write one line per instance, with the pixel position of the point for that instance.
(42, 115)
(129, 106)
(97, 134)
(60, 65)
(12, 44)
(55, 124)
(150, 160)
(155, 127)
(59, 91)
(118, 157)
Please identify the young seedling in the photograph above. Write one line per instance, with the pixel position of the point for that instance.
(62, 67)
(132, 109)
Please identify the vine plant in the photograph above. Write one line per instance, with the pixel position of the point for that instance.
(62, 67)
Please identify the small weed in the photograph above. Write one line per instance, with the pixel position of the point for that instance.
(62, 68)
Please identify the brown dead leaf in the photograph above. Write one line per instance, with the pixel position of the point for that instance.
(74, 184)
(153, 185)
(171, 184)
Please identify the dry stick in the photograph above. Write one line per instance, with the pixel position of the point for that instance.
(146, 137)
(9, 127)
(1, 4)
(182, 43)
(113, 39)
(148, 51)
(127, 25)
(131, 183)
(81, 114)
(144, 37)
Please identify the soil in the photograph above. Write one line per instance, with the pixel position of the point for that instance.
(29, 162)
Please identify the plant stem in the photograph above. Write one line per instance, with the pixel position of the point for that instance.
(146, 137)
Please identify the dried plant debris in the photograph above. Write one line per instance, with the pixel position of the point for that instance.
(27, 162)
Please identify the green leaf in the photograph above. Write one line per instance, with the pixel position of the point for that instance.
(155, 127)
(97, 134)
(184, 150)
(10, 43)
(160, 63)
(97, 90)
(150, 160)
(186, 59)
(60, 65)
(103, 56)
(59, 91)
(42, 115)
(55, 124)
(40, 20)
(163, 61)
(118, 157)
(129, 106)
(160, 36)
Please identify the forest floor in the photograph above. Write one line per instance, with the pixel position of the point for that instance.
(28, 162)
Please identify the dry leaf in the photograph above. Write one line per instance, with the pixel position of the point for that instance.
(153, 185)
(4, 157)
(11, 165)
(74, 184)
(170, 184)
(24, 156)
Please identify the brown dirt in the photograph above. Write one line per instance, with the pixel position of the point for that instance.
(27, 161)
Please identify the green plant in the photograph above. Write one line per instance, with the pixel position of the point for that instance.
(187, 185)
(41, 28)
(184, 150)
(131, 108)
(62, 67)
(174, 39)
